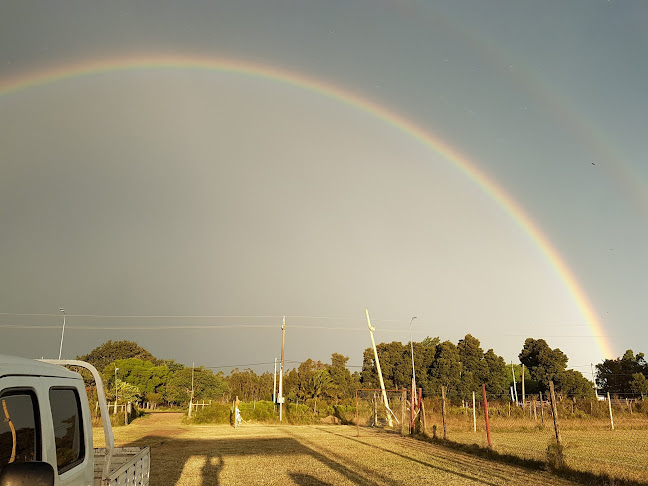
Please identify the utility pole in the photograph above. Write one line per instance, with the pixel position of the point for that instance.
(595, 387)
(281, 369)
(62, 332)
(380, 377)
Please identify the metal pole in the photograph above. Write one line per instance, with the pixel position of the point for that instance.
(62, 332)
(115, 390)
(412, 352)
(283, 341)
(193, 364)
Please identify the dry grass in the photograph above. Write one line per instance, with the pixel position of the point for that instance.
(320, 455)
(589, 444)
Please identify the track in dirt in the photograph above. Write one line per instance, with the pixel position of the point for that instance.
(206, 455)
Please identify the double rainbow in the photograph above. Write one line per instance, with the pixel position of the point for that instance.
(301, 81)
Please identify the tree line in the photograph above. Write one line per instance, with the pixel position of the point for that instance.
(132, 373)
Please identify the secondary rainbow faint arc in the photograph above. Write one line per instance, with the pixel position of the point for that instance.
(470, 169)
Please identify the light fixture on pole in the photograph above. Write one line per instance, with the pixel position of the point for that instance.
(62, 332)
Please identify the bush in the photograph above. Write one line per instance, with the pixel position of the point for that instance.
(216, 413)
(263, 411)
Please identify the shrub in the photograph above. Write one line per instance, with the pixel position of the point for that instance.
(216, 413)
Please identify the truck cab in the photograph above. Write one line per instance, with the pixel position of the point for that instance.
(44, 418)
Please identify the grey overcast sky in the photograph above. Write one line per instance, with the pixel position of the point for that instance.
(189, 209)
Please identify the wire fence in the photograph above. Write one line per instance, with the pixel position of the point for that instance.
(603, 437)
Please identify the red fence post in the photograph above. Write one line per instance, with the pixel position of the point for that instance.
(490, 445)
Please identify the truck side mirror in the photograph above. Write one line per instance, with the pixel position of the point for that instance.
(31, 473)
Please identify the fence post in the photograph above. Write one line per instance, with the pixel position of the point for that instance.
(474, 414)
(423, 419)
(554, 411)
(357, 419)
(610, 407)
(541, 409)
(443, 411)
(490, 445)
(403, 400)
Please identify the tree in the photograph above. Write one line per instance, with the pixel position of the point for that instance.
(341, 380)
(496, 380)
(574, 384)
(474, 369)
(395, 363)
(543, 363)
(111, 351)
(446, 370)
(614, 375)
(207, 385)
(147, 377)
(639, 384)
(312, 380)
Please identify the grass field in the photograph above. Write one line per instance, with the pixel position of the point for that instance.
(319, 455)
(589, 444)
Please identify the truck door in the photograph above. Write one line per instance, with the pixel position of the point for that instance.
(73, 454)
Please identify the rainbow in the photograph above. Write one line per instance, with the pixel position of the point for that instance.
(301, 81)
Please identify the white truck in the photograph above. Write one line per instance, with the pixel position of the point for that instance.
(46, 430)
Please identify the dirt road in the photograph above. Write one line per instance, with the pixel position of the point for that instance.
(183, 455)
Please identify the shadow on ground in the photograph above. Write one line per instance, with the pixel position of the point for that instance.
(200, 462)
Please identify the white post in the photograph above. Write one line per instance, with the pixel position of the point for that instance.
(474, 415)
(193, 364)
(380, 377)
(62, 332)
(274, 384)
(115, 412)
(610, 407)
(283, 340)
(514, 385)
(412, 353)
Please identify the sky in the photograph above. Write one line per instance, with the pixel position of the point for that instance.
(184, 175)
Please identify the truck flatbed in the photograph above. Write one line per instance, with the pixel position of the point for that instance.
(129, 466)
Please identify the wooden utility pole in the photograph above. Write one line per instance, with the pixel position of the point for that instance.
(380, 377)
(281, 369)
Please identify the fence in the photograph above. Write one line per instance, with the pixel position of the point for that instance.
(603, 437)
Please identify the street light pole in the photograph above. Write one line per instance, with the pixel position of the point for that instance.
(62, 332)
